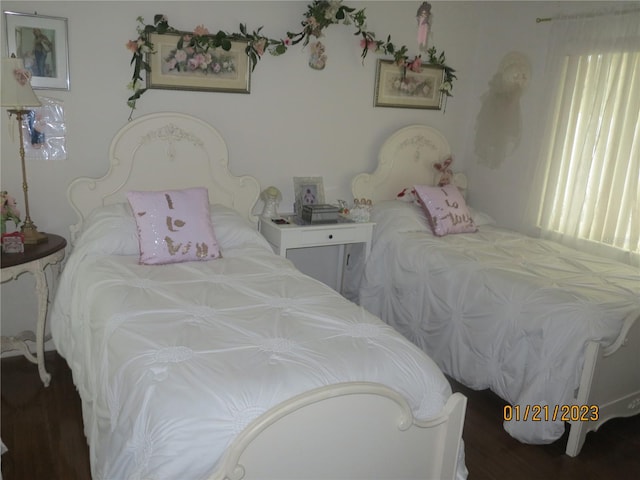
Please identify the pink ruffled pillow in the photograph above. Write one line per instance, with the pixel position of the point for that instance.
(174, 226)
(446, 209)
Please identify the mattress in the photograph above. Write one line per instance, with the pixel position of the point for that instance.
(497, 309)
(173, 361)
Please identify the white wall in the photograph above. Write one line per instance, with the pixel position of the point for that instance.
(296, 121)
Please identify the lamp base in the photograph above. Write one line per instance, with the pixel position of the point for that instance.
(32, 236)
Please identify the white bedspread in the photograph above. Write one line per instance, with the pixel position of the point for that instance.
(496, 309)
(173, 361)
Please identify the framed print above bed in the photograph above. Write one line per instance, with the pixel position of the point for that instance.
(403, 88)
(177, 68)
(42, 44)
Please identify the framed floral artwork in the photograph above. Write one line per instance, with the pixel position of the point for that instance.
(42, 43)
(176, 66)
(403, 88)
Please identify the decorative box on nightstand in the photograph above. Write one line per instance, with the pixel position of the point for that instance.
(320, 214)
(299, 234)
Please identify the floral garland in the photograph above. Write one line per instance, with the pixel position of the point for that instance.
(319, 15)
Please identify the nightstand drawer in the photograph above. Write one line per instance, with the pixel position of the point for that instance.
(329, 236)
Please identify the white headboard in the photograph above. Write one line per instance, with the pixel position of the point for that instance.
(163, 151)
(405, 159)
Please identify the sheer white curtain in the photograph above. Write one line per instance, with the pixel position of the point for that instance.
(588, 192)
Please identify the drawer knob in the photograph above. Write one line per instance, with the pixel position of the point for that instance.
(330, 236)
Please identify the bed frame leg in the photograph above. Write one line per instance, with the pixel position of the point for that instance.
(610, 382)
(577, 436)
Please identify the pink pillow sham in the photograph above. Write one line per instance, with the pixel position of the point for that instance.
(446, 209)
(174, 226)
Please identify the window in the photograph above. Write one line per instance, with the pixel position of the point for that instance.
(591, 191)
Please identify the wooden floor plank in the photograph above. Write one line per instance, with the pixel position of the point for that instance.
(43, 429)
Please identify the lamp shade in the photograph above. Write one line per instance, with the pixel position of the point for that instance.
(16, 85)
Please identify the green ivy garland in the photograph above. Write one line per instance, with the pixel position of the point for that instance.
(319, 15)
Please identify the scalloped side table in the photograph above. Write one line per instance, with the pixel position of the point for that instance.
(34, 259)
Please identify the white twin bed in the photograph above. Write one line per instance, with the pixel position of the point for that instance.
(554, 332)
(237, 367)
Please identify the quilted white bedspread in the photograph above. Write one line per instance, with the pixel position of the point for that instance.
(173, 361)
(496, 309)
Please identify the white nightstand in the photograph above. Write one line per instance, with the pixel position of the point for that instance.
(283, 237)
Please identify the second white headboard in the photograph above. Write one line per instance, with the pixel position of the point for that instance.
(406, 158)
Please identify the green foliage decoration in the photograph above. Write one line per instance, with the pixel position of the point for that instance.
(319, 15)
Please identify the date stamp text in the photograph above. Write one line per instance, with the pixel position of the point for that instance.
(545, 413)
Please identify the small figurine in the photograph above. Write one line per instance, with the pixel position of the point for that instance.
(344, 208)
(446, 174)
(317, 59)
(271, 197)
(361, 210)
(424, 17)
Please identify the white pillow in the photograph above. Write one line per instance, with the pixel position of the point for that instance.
(111, 230)
(401, 216)
(234, 231)
(481, 218)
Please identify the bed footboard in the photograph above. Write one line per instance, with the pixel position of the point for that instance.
(352, 430)
(611, 380)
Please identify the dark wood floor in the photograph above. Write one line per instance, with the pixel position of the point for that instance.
(42, 427)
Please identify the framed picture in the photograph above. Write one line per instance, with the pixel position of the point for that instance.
(403, 88)
(308, 191)
(180, 69)
(43, 45)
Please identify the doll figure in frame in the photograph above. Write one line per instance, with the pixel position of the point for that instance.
(309, 195)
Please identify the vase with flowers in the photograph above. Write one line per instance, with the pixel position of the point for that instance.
(9, 211)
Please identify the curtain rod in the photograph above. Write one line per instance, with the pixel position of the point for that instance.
(588, 15)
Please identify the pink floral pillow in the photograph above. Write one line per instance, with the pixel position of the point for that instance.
(446, 209)
(174, 226)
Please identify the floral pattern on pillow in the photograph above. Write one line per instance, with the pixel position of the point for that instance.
(446, 209)
(174, 226)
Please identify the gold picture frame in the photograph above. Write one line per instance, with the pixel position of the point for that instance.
(218, 70)
(402, 88)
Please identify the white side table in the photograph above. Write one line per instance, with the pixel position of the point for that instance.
(34, 259)
(283, 237)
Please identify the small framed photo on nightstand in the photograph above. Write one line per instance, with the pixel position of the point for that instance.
(308, 191)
